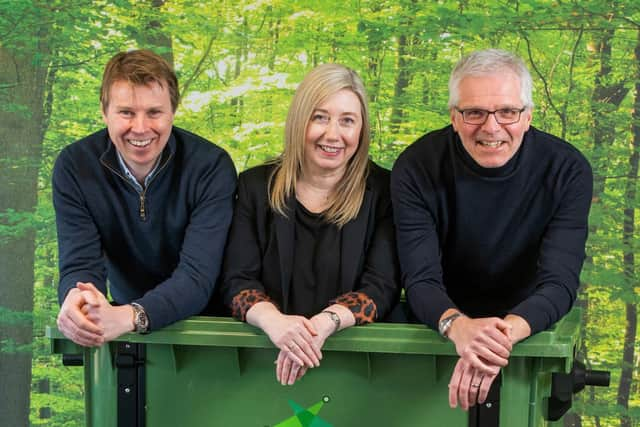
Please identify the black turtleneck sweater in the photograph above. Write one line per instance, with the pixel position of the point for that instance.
(491, 241)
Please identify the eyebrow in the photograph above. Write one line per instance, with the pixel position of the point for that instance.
(128, 107)
(502, 107)
(344, 113)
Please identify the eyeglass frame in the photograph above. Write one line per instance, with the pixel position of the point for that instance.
(489, 112)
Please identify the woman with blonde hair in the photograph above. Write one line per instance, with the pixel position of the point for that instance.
(311, 248)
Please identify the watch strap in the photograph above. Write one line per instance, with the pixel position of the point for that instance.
(445, 324)
(336, 319)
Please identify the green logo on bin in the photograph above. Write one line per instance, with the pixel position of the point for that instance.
(305, 417)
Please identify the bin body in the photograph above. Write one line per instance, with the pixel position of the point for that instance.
(220, 372)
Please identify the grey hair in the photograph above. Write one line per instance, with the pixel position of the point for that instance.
(491, 61)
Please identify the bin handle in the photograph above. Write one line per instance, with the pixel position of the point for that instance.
(583, 377)
(70, 359)
(564, 386)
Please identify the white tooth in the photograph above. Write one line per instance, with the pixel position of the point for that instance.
(140, 143)
(491, 144)
(329, 149)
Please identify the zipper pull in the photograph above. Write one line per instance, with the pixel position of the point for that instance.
(143, 214)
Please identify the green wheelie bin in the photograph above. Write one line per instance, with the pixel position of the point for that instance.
(213, 371)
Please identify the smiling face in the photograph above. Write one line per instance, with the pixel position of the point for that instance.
(139, 120)
(333, 134)
(491, 144)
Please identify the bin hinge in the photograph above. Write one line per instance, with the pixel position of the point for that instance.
(130, 359)
(488, 413)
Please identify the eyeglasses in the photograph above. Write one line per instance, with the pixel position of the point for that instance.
(504, 116)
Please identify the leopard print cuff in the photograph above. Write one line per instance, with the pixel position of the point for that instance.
(362, 307)
(244, 300)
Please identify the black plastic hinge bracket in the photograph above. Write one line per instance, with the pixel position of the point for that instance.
(129, 361)
(487, 414)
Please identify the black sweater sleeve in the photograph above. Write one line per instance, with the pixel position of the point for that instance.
(562, 250)
(415, 215)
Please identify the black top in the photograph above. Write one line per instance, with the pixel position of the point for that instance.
(163, 248)
(261, 247)
(491, 241)
(316, 263)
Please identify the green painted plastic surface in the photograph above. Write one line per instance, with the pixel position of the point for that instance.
(208, 371)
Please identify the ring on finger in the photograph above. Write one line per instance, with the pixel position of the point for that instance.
(478, 381)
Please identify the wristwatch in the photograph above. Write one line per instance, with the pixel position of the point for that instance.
(335, 318)
(445, 324)
(140, 319)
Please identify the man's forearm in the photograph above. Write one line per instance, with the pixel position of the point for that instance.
(520, 328)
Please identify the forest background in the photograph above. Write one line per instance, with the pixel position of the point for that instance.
(239, 62)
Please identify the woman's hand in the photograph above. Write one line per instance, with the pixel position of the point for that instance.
(287, 370)
(295, 335)
(291, 334)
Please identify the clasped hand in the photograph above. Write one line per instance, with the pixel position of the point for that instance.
(484, 346)
(300, 341)
(88, 319)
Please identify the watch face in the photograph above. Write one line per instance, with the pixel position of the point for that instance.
(141, 320)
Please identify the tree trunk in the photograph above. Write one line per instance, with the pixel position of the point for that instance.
(406, 40)
(23, 83)
(237, 102)
(628, 231)
(402, 82)
(626, 374)
(275, 23)
(572, 420)
(375, 37)
(607, 96)
(154, 37)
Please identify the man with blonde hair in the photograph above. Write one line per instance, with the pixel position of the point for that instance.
(142, 210)
(491, 221)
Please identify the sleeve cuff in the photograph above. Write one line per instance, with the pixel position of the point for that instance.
(363, 308)
(246, 299)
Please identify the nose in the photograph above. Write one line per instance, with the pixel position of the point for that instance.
(139, 124)
(332, 130)
(491, 124)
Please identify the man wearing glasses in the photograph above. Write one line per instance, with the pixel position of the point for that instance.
(491, 221)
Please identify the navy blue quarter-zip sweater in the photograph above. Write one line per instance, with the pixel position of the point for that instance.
(161, 247)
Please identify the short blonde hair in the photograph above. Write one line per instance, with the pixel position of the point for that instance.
(320, 83)
(139, 67)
